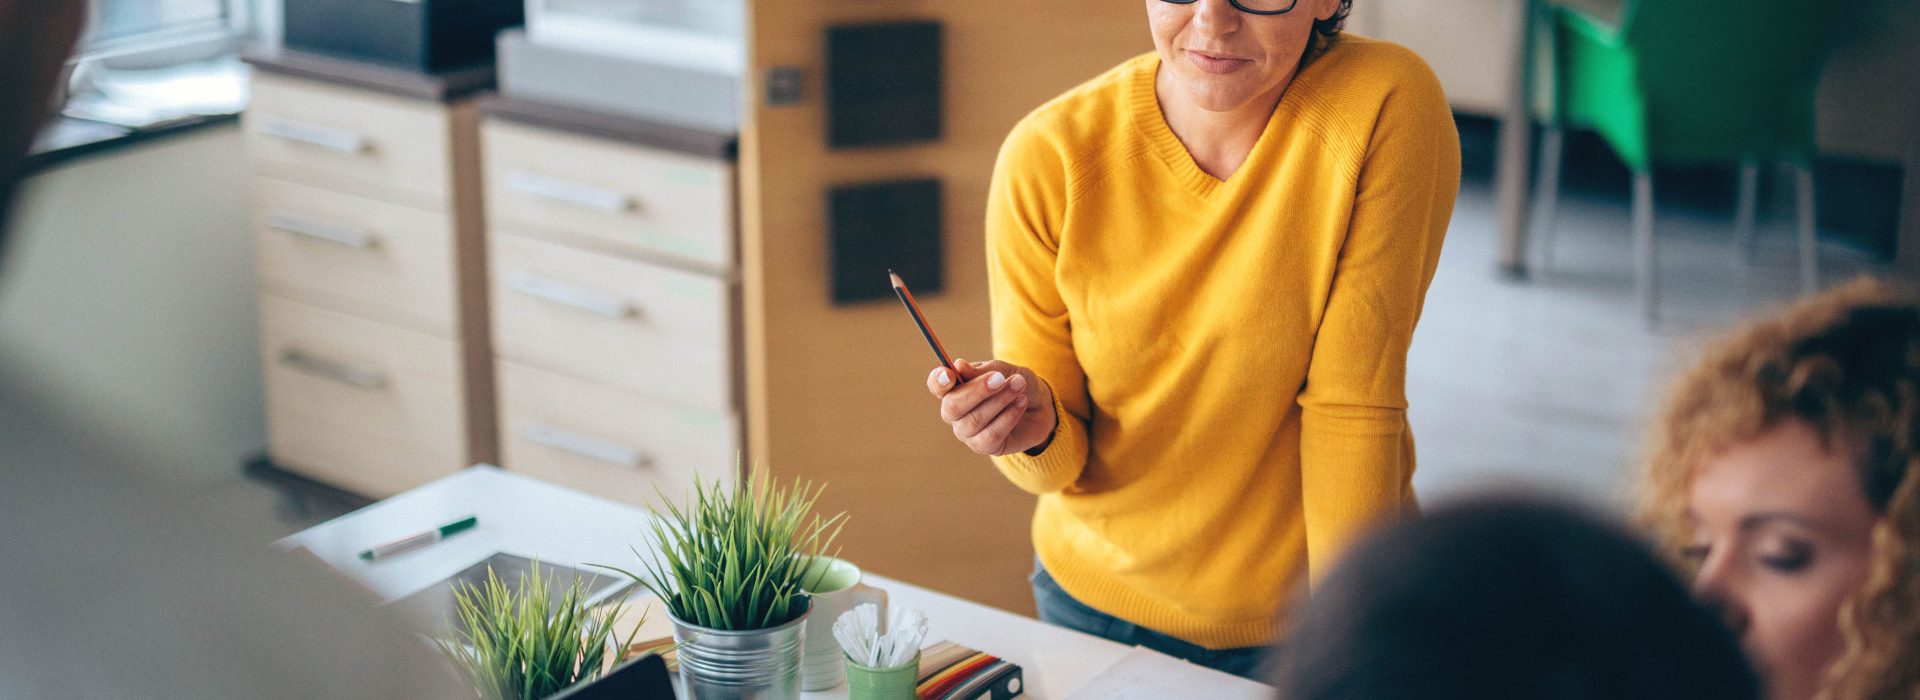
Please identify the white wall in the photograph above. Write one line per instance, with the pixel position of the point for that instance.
(127, 296)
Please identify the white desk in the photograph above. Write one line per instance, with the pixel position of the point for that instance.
(531, 518)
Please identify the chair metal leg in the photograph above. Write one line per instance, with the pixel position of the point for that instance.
(1510, 197)
(1809, 234)
(1546, 191)
(1645, 272)
(1743, 213)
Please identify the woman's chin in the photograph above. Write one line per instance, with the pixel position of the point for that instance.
(1785, 684)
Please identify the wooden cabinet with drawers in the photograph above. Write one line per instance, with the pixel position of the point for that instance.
(641, 327)
(371, 407)
(370, 254)
(614, 291)
(608, 442)
(600, 192)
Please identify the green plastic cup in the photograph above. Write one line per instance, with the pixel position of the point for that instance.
(897, 683)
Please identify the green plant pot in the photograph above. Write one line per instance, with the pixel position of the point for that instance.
(897, 683)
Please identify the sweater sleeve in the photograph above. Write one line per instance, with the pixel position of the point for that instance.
(1026, 204)
(1356, 450)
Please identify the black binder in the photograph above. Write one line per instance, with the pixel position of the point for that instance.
(644, 678)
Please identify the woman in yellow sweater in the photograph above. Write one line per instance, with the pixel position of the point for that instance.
(1206, 266)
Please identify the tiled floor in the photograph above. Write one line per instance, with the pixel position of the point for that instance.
(1546, 384)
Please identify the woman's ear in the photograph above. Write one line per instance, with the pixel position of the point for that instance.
(1326, 9)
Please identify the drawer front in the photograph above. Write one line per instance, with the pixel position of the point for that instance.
(610, 195)
(370, 407)
(653, 330)
(387, 147)
(367, 257)
(608, 442)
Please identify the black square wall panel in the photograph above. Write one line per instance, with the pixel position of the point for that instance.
(883, 83)
(881, 226)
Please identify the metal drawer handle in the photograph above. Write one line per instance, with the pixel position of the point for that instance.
(348, 236)
(329, 138)
(570, 192)
(557, 292)
(588, 446)
(343, 372)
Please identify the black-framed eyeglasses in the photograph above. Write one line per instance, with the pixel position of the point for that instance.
(1252, 7)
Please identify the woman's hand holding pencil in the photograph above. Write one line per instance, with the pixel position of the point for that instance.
(995, 408)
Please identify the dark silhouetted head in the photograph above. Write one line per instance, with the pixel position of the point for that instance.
(1508, 599)
(36, 37)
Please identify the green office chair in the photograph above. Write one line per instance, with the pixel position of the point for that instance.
(1690, 82)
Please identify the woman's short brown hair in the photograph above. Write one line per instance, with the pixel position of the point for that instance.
(1846, 363)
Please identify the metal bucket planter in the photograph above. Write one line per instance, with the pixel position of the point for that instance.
(743, 665)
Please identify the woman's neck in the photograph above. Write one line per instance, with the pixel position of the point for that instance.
(1218, 142)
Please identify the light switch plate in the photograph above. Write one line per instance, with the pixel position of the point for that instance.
(783, 86)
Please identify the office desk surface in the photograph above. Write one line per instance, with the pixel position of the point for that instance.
(534, 519)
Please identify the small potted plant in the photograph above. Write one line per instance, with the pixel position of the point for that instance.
(729, 568)
(524, 644)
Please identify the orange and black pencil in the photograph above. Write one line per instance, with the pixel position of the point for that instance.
(919, 319)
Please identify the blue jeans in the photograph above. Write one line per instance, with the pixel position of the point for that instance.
(1058, 608)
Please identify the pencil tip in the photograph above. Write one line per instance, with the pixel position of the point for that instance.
(895, 278)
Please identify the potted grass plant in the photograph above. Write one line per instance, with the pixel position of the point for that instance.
(729, 567)
(532, 641)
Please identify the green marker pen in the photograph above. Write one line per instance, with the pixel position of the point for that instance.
(413, 542)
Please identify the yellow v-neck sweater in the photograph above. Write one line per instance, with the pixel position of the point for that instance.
(1228, 358)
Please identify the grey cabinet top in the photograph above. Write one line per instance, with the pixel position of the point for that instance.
(450, 86)
(672, 137)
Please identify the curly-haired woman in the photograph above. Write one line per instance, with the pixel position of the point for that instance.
(1785, 470)
(1205, 267)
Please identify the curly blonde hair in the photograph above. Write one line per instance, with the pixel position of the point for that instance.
(1846, 363)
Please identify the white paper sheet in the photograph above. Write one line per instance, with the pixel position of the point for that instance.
(1145, 674)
